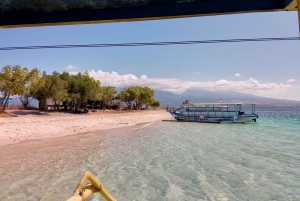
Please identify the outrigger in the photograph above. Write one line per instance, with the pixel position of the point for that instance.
(213, 113)
(83, 191)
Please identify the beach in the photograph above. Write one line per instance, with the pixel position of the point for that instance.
(165, 161)
(28, 125)
(39, 148)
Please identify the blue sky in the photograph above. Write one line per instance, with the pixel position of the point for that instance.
(270, 69)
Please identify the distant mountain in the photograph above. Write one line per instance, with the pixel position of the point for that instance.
(202, 96)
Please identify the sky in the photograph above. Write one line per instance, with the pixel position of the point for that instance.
(268, 69)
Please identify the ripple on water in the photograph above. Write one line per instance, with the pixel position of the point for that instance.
(171, 161)
(202, 162)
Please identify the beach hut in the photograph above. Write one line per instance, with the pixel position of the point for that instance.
(9, 102)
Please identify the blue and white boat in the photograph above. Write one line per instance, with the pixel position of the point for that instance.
(214, 112)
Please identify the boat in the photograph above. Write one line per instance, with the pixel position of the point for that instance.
(214, 112)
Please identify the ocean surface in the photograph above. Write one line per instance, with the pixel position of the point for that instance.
(173, 161)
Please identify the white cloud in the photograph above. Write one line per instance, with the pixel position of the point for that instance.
(197, 73)
(291, 80)
(237, 75)
(70, 67)
(250, 86)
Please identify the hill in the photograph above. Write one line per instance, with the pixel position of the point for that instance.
(202, 96)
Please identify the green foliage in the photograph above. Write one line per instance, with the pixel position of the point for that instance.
(140, 95)
(72, 90)
(107, 94)
(67, 89)
(126, 95)
(50, 87)
(15, 80)
(155, 104)
(146, 95)
(88, 87)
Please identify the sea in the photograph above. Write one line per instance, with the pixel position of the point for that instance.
(170, 161)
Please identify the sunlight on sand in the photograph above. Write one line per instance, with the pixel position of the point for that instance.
(38, 125)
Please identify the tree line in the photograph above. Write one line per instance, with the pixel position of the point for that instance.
(71, 91)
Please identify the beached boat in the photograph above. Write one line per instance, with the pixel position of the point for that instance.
(214, 112)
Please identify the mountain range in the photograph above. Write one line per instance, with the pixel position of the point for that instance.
(202, 96)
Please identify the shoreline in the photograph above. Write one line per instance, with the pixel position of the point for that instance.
(30, 146)
(26, 161)
(14, 156)
(29, 125)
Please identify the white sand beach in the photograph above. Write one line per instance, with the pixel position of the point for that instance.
(34, 143)
(27, 125)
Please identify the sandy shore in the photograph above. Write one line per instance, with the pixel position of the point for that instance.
(27, 125)
(44, 156)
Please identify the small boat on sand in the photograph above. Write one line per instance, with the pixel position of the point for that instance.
(214, 113)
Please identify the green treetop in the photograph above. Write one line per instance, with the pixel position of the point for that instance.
(15, 80)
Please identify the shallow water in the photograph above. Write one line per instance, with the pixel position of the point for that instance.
(173, 161)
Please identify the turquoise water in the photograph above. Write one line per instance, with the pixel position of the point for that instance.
(189, 161)
(184, 161)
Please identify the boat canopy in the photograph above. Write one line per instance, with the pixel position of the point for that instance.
(214, 104)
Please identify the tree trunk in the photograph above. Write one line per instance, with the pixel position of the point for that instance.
(72, 104)
(65, 105)
(43, 104)
(6, 98)
(77, 105)
(25, 100)
(103, 105)
(55, 105)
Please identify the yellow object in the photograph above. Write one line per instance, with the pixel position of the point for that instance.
(82, 193)
(298, 6)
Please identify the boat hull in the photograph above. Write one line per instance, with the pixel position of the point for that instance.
(213, 112)
(241, 118)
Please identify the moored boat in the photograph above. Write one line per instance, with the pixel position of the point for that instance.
(214, 112)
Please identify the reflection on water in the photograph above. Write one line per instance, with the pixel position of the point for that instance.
(170, 161)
